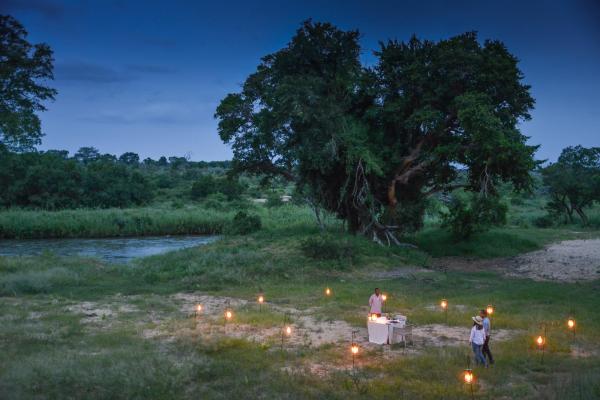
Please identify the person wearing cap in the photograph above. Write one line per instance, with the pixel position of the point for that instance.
(487, 326)
(477, 339)
(375, 303)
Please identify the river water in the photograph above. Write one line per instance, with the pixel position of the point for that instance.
(114, 250)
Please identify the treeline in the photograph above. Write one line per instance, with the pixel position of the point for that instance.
(54, 180)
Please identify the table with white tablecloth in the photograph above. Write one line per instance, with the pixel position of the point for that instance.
(383, 331)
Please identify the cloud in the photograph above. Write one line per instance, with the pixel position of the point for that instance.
(163, 113)
(46, 8)
(96, 73)
(87, 72)
(150, 69)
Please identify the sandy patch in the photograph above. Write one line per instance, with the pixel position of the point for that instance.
(93, 312)
(571, 260)
(567, 261)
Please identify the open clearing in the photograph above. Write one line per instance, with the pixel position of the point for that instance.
(567, 261)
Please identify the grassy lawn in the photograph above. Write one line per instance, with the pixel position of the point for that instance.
(48, 349)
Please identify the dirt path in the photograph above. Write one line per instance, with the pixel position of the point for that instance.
(567, 261)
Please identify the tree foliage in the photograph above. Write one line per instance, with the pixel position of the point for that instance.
(573, 181)
(370, 144)
(24, 69)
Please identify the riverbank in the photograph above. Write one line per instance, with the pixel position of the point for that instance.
(113, 222)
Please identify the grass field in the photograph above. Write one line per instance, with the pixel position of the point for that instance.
(78, 328)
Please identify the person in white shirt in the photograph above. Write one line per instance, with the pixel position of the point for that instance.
(376, 303)
(477, 339)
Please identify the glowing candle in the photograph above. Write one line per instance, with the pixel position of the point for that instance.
(468, 376)
(288, 330)
(261, 299)
(327, 292)
(571, 323)
(199, 308)
(540, 341)
(354, 349)
(384, 297)
(490, 309)
(444, 303)
(228, 315)
(373, 317)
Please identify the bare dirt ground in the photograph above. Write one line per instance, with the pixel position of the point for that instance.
(567, 261)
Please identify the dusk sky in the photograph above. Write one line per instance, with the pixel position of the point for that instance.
(146, 76)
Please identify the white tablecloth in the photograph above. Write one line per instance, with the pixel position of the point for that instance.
(381, 329)
(378, 330)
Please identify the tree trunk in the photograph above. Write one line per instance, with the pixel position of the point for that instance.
(582, 215)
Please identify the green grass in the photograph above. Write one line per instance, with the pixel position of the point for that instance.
(46, 352)
(497, 242)
(23, 224)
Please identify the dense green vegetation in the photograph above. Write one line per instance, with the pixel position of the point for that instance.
(47, 350)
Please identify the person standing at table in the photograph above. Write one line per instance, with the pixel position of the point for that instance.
(477, 339)
(487, 326)
(376, 303)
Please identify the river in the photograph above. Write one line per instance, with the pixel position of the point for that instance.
(113, 250)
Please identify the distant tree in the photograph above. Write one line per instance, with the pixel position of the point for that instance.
(149, 162)
(87, 154)
(24, 68)
(129, 158)
(177, 162)
(41, 180)
(371, 144)
(231, 187)
(574, 181)
(110, 184)
(204, 186)
(162, 162)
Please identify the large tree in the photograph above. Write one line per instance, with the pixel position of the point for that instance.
(24, 69)
(370, 144)
(574, 181)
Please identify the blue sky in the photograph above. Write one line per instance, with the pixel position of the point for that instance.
(146, 76)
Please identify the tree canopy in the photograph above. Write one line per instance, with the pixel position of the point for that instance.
(574, 181)
(370, 144)
(24, 68)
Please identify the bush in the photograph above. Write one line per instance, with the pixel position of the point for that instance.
(477, 215)
(545, 221)
(274, 200)
(327, 248)
(243, 224)
(203, 187)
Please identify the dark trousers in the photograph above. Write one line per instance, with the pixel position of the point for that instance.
(486, 350)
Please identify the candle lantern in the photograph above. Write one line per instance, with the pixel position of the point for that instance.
(489, 309)
(228, 315)
(571, 323)
(469, 378)
(444, 305)
(288, 330)
(383, 298)
(198, 310)
(373, 317)
(327, 292)
(260, 300)
(541, 343)
(353, 349)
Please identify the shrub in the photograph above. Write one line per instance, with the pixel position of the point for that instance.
(243, 224)
(477, 215)
(545, 221)
(203, 187)
(327, 248)
(274, 200)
